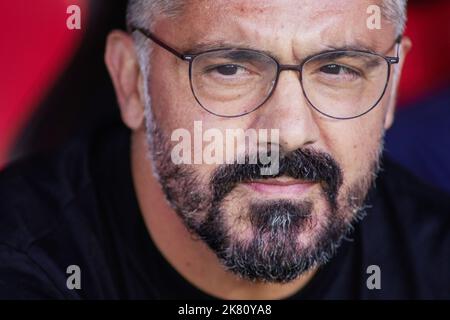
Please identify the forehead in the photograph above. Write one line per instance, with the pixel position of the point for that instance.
(298, 24)
(309, 9)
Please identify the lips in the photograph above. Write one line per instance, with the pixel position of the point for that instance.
(280, 186)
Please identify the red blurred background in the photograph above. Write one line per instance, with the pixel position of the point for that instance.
(52, 77)
(36, 47)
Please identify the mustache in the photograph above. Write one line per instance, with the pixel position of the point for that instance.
(302, 164)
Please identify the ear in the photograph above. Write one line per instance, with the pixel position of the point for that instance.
(405, 47)
(123, 66)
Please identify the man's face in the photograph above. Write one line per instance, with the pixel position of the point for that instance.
(270, 228)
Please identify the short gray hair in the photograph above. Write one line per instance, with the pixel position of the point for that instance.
(144, 12)
(395, 12)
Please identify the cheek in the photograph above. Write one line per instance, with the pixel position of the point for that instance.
(355, 145)
(173, 104)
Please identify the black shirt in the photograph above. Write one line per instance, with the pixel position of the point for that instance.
(78, 207)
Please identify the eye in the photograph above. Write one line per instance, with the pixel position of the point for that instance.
(228, 69)
(336, 69)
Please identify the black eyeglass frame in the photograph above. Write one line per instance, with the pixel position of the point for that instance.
(280, 67)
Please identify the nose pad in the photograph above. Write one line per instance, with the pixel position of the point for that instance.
(291, 67)
(288, 67)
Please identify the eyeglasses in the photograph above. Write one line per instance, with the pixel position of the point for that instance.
(340, 84)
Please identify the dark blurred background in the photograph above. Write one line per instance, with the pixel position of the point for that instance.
(53, 81)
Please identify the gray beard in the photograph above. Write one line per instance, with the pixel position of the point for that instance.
(271, 255)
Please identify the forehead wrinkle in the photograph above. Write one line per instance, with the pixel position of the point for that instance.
(241, 33)
(349, 43)
(254, 26)
(302, 39)
(249, 8)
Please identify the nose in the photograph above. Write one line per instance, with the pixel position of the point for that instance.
(288, 110)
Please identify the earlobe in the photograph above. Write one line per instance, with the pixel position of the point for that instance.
(123, 66)
(389, 119)
(390, 114)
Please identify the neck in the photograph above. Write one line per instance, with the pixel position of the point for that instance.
(191, 257)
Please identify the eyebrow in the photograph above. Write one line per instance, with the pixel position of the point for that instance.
(243, 55)
(369, 63)
(217, 45)
(356, 46)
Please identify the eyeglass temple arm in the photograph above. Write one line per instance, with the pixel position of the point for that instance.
(396, 59)
(163, 45)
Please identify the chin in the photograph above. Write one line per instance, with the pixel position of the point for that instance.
(273, 240)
